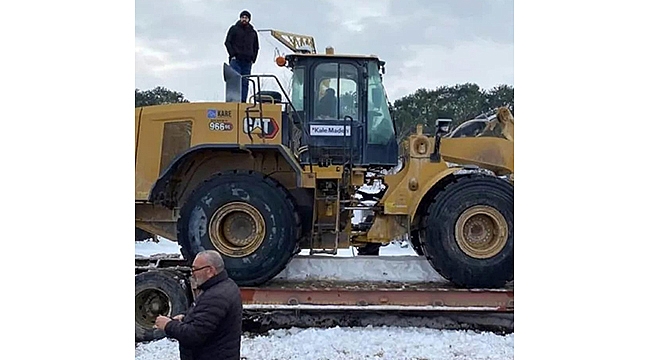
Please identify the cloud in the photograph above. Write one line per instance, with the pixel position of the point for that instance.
(483, 62)
(156, 62)
(355, 16)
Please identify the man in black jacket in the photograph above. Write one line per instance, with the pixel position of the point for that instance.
(212, 327)
(242, 45)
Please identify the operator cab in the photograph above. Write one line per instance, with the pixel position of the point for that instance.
(343, 110)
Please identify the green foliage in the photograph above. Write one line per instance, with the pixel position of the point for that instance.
(502, 95)
(158, 96)
(460, 102)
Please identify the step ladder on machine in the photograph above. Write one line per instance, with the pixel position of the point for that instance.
(326, 221)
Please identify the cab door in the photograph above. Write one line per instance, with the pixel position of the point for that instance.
(334, 112)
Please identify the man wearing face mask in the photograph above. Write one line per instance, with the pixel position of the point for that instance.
(212, 327)
(242, 45)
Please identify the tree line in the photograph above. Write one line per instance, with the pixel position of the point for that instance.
(158, 96)
(459, 102)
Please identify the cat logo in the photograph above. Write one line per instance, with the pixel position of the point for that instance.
(265, 128)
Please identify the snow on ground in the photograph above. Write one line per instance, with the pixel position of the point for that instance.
(164, 246)
(392, 249)
(360, 268)
(357, 343)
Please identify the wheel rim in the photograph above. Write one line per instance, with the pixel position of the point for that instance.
(481, 232)
(150, 303)
(237, 229)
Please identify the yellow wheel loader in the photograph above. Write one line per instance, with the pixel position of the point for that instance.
(286, 171)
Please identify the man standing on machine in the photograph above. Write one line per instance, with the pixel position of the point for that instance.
(242, 45)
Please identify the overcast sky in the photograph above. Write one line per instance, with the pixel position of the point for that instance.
(426, 43)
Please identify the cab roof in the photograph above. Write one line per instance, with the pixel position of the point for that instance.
(296, 56)
(346, 56)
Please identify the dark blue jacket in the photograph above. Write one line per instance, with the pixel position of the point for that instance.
(242, 43)
(212, 327)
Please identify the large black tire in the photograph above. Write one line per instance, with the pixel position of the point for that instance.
(494, 267)
(266, 196)
(157, 292)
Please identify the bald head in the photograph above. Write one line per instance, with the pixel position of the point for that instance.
(212, 258)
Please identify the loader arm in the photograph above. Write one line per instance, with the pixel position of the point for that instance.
(494, 154)
(493, 149)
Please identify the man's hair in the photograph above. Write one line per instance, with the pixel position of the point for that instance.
(213, 258)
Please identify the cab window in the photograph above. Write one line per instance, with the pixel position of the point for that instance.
(298, 88)
(336, 88)
(380, 124)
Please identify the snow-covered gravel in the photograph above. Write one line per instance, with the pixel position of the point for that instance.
(357, 343)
